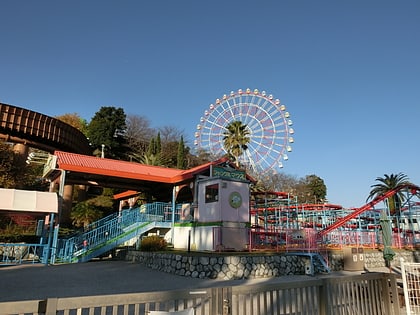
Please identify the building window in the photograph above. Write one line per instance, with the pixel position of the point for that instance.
(212, 193)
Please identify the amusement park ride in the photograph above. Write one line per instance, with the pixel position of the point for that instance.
(267, 122)
(278, 221)
(224, 213)
(276, 217)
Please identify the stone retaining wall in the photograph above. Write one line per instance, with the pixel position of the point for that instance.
(372, 258)
(248, 266)
(221, 267)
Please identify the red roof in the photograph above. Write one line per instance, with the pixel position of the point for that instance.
(126, 194)
(116, 168)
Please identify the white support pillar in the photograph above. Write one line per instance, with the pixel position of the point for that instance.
(174, 191)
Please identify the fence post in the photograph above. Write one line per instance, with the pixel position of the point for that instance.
(51, 307)
(390, 293)
(323, 297)
(227, 301)
(405, 286)
(386, 293)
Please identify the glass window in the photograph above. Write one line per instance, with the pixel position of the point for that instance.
(212, 193)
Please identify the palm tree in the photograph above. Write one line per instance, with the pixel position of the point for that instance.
(84, 213)
(151, 159)
(386, 184)
(236, 139)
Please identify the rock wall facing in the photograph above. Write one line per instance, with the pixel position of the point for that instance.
(248, 266)
(221, 267)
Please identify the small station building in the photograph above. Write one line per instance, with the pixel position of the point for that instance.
(214, 197)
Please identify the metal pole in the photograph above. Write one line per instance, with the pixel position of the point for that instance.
(50, 234)
(52, 246)
(173, 214)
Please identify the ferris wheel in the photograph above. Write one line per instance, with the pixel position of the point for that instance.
(268, 124)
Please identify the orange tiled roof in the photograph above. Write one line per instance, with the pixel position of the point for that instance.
(108, 167)
(126, 194)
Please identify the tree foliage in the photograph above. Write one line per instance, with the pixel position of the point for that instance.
(316, 188)
(386, 184)
(84, 213)
(91, 210)
(102, 131)
(153, 155)
(201, 157)
(236, 139)
(169, 154)
(180, 160)
(151, 159)
(15, 173)
(309, 189)
(170, 134)
(75, 121)
(138, 134)
(153, 243)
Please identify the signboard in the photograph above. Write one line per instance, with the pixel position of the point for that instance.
(28, 201)
(228, 173)
(50, 165)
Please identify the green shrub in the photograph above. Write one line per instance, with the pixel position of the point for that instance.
(153, 243)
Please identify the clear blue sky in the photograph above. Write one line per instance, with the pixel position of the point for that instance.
(348, 71)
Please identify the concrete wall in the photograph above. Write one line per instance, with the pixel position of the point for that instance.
(219, 223)
(230, 235)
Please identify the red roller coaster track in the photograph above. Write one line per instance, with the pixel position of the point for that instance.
(367, 207)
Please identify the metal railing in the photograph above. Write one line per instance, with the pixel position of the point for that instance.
(372, 293)
(113, 230)
(14, 254)
(306, 239)
(411, 284)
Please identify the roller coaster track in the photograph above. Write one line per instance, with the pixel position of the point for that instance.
(27, 127)
(366, 207)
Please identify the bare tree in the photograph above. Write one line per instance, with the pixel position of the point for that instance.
(138, 134)
(171, 134)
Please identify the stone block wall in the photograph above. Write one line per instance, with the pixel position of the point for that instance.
(225, 267)
(247, 266)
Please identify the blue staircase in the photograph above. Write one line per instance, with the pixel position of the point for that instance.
(114, 230)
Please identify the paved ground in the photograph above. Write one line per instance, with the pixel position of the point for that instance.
(36, 281)
(30, 282)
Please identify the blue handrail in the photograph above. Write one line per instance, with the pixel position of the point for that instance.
(22, 253)
(113, 230)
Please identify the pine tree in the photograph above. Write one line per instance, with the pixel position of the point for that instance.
(180, 161)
